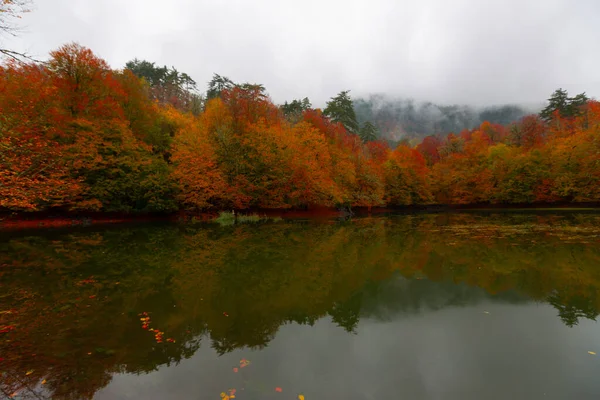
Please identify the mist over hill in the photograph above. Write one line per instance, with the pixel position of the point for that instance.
(398, 119)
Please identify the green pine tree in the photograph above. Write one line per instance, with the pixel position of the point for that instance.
(567, 107)
(341, 109)
(368, 133)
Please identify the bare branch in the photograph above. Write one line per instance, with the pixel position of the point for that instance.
(11, 10)
(17, 56)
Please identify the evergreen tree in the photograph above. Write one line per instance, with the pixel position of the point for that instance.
(567, 107)
(293, 111)
(368, 133)
(168, 85)
(341, 109)
(217, 85)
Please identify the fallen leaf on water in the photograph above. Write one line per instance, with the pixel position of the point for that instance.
(300, 397)
(224, 396)
(92, 296)
(29, 372)
(44, 382)
(89, 354)
(486, 312)
(225, 314)
(592, 353)
(235, 369)
(278, 389)
(244, 363)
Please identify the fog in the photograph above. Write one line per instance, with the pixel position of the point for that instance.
(460, 52)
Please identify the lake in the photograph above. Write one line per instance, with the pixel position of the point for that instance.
(496, 305)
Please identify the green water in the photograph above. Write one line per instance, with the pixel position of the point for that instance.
(446, 306)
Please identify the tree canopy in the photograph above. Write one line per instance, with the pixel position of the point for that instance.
(341, 109)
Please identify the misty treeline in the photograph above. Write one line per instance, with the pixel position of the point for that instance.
(77, 135)
(405, 120)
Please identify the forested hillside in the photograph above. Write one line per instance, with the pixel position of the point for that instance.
(78, 135)
(407, 120)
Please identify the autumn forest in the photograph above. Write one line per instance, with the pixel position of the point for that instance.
(77, 135)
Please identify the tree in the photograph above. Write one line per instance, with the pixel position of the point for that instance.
(217, 85)
(528, 133)
(293, 111)
(341, 110)
(561, 105)
(429, 148)
(34, 171)
(119, 172)
(368, 133)
(167, 85)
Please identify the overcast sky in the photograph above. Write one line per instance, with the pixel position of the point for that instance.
(450, 51)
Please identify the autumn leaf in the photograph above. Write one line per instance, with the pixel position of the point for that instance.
(235, 369)
(278, 389)
(44, 382)
(300, 397)
(29, 372)
(592, 353)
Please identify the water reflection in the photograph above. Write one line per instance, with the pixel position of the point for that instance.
(403, 296)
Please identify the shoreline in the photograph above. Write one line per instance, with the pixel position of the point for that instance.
(60, 219)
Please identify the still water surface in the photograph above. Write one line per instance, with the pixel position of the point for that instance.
(449, 306)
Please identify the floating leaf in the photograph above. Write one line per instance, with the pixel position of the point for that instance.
(29, 372)
(278, 389)
(300, 397)
(44, 382)
(486, 312)
(235, 369)
(592, 353)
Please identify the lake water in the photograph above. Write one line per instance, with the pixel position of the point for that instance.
(441, 306)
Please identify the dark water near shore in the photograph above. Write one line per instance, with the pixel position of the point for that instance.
(446, 306)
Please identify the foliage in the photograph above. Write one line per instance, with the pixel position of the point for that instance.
(217, 85)
(78, 135)
(340, 109)
(167, 85)
(225, 218)
(293, 111)
(563, 106)
(368, 132)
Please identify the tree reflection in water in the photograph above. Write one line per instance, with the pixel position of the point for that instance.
(70, 301)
